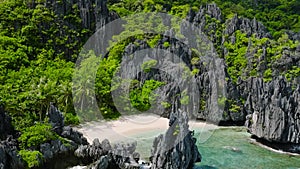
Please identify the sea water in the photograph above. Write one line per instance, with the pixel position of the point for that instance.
(224, 148)
(228, 148)
(232, 148)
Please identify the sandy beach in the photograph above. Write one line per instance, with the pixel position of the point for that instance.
(127, 128)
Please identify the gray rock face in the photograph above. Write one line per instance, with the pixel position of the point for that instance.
(293, 35)
(199, 19)
(210, 83)
(105, 156)
(276, 110)
(175, 149)
(6, 127)
(204, 83)
(56, 119)
(71, 134)
(9, 157)
(58, 154)
(247, 26)
(94, 13)
(91, 153)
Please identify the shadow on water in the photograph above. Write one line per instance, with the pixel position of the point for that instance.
(205, 167)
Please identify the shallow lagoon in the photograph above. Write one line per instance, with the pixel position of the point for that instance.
(217, 152)
(220, 147)
(227, 148)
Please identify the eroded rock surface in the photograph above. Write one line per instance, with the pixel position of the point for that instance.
(105, 156)
(9, 157)
(276, 110)
(6, 127)
(176, 149)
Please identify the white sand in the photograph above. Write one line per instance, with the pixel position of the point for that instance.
(130, 128)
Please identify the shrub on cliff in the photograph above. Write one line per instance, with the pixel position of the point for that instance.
(35, 135)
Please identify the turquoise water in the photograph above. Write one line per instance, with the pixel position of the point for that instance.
(217, 152)
(228, 148)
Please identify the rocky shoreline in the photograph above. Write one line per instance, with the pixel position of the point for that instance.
(104, 155)
(270, 110)
(289, 149)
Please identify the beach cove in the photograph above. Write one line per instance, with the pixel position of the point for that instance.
(220, 147)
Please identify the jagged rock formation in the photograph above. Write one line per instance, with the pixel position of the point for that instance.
(247, 26)
(94, 13)
(276, 110)
(199, 18)
(170, 74)
(56, 119)
(75, 150)
(272, 107)
(8, 145)
(6, 127)
(91, 153)
(105, 156)
(76, 20)
(9, 157)
(57, 154)
(175, 149)
(202, 86)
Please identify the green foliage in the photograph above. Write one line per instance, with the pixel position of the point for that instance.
(103, 84)
(140, 26)
(32, 158)
(222, 101)
(166, 44)
(71, 119)
(30, 90)
(268, 75)
(195, 60)
(234, 108)
(293, 73)
(235, 58)
(180, 10)
(146, 66)
(35, 135)
(276, 15)
(166, 105)
(176, 131)
(195, 71)
(153, 41)
(83, 80)
(202, 104)
(269, 49)
(185, 99)
(38, 49)
(142, 97)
